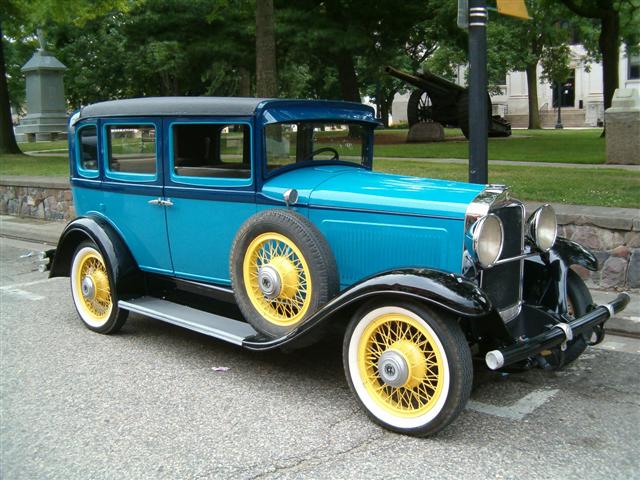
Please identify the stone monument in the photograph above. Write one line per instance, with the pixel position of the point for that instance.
(622, 123)
(46, 117)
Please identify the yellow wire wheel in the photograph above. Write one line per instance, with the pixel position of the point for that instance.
(91, 291)
(277, 279)
(282, 271)
(401, 369)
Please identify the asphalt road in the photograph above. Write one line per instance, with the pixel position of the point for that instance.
(147, 403)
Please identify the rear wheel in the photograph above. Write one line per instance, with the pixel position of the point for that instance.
(93, 291)
(409, 366)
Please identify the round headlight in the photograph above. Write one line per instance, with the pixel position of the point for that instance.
(543, 227)
(487, 240)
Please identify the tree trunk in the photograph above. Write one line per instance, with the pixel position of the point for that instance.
(347, 77)
(532, 87)
(245, 82)
(266, 74)
(610, 49)
(7, 138)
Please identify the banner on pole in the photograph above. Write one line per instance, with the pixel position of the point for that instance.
(513, 8)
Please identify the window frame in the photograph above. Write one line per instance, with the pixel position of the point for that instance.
(85, 172)
(210, 181)
(130, 176)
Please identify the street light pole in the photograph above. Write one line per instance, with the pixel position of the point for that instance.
(478, 114)
(559, 120)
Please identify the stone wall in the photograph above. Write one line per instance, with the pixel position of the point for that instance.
(46, 198)
(613, 234)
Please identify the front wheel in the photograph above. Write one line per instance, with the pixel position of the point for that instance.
(409, 366)
(93, 291)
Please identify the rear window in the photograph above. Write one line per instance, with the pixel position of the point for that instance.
(132, 148)
(88, 148)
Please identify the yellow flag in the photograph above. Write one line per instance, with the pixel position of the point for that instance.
(513, 8)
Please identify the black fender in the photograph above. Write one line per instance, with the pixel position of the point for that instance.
(121, 265)
(552, 268)
(446, 291)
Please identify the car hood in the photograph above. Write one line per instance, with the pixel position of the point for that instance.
(359, 189)
(353, 188)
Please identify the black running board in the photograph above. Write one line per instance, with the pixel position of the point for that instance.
(217, 326)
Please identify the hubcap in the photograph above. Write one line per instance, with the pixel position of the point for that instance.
(393, 368)
(269, 281)
(88, 288)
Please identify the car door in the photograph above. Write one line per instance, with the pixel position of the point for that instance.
(132, 187)
(210, 184)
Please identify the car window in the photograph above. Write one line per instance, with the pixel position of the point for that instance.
(289, 143)
(88, 149)
(132, 148)
(211, 150)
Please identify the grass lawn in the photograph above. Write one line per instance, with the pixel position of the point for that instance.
(556, 146)
(26, 165)
(584, 186)
(60, 145)
(609, 188)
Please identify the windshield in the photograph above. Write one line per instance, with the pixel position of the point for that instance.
(290, 143)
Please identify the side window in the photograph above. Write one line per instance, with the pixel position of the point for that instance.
(88, 149)
(132, 148)
(211, 150)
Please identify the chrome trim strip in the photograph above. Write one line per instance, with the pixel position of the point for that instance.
(513, 259)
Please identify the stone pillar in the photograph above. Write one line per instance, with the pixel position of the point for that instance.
(46, 117)
(622, 122)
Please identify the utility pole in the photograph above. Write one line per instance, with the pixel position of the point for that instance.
(478, 114)
(559, 120)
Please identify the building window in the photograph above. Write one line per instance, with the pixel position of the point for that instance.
(211, 150)
(634, 67)
(132, 148)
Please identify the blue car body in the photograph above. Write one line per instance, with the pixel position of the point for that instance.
(349, 203)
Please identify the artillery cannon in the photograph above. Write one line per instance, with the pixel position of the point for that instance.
(437, 99)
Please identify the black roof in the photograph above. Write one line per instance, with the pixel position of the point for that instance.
(173, 106)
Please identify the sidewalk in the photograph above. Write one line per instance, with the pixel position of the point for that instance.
(626, 323)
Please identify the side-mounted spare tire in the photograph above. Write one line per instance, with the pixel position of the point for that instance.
(282, 271)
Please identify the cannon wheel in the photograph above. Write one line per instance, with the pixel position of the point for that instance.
(419, 108)
(463, 113)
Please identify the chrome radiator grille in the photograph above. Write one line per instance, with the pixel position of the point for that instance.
(503, 283)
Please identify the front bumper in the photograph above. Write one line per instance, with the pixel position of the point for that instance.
(555, 334)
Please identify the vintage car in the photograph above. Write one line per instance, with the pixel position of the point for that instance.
(262, 223)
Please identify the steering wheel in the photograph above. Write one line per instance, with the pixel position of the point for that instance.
(336, 155)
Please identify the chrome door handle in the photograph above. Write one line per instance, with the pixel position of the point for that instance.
(161, 201)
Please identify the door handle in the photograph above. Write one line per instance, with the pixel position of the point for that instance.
(161, 201)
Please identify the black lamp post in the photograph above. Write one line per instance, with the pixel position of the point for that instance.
(559, 120)
(478, 114)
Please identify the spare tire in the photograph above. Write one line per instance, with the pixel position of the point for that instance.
(282, 271)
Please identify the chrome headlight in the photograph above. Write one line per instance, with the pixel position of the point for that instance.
(543, 227)
(488, 235)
